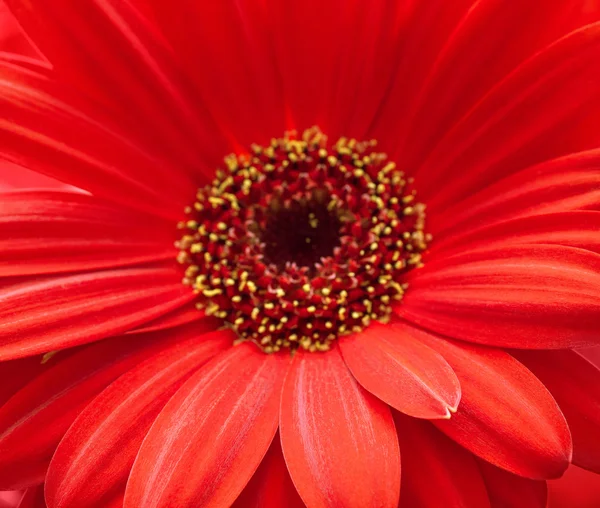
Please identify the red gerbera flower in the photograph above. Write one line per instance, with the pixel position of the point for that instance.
(406, 279)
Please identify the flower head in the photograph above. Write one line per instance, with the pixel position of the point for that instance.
(374, 300)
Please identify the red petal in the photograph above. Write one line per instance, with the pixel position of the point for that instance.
(97, 453)
(271, 485)
(13, 177)
(402, 371)
(33, 498)
(184, 314)
(531, 296)
(56, 313)
(571, 229)
(35, 419)
(111, 50)
(339, 441)
(435, 470)
(53, 131)
(560, 185)
(506, 416)
(575, 384)
(211, 436)
(490, 36)
(507, 490)
(513, 125)
(17, 373)
(49, 232)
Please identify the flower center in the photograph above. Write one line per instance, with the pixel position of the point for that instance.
(300, 242)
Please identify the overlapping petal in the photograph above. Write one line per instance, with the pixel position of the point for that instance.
(112, 51)
(507, 490)
(50, 128)
(402, 371)
(435, 470)
(271, 485)
(535, 104)
(34, 419)
(506, 415)
(338, 440)
(51, 232)
(54, 313)
(575, 384)
(524, 296)
(211, 436)
(94, 459)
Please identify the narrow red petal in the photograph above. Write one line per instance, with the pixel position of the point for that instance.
(402, 371)
(35, 419)
(33, 498)
(211, 436)
(339, 441)
(50, 232)
(512, 126)
(271, 485)
(571, 229)
(560, 185)
(575, 384)
(50, 314)
(507, 490)
(97, 453)
(111, 50)
(54, 131)
(506, 415)
(435, 470)
(186, 313)
(529, 296)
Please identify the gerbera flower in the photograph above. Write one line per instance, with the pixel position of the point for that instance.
(389, 272)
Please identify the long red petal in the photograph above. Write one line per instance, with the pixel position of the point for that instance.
(35, 419)
(339, 441)
(571, 229)
(507, 490)
(535, 104)
(50, 232)
(271, 485)
(111, 50)
(575, 384)
(529, 296)
(436, 470)
(402, 371)
(96, 455)
(211, 436)
(50, 129)
(560, 185)
(55, 313)
(506, 415)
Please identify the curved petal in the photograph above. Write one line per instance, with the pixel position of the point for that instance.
(572, 229)
(111, 50)
(538, 101)
(402, 371)
(17, 373)
(507, 490)
(559, 185)
(338, 440)
(494, 36)
(50, 314)
(506, 415)
(186, 313)
(35, 419)
(575, 384)
(50, 129)
(211, 436)
(33, 498)
(96, 454)
(525, 297)
(271, 485)
(50, 232)
(435, 470)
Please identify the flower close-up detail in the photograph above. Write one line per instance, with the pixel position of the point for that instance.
(272, 253)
